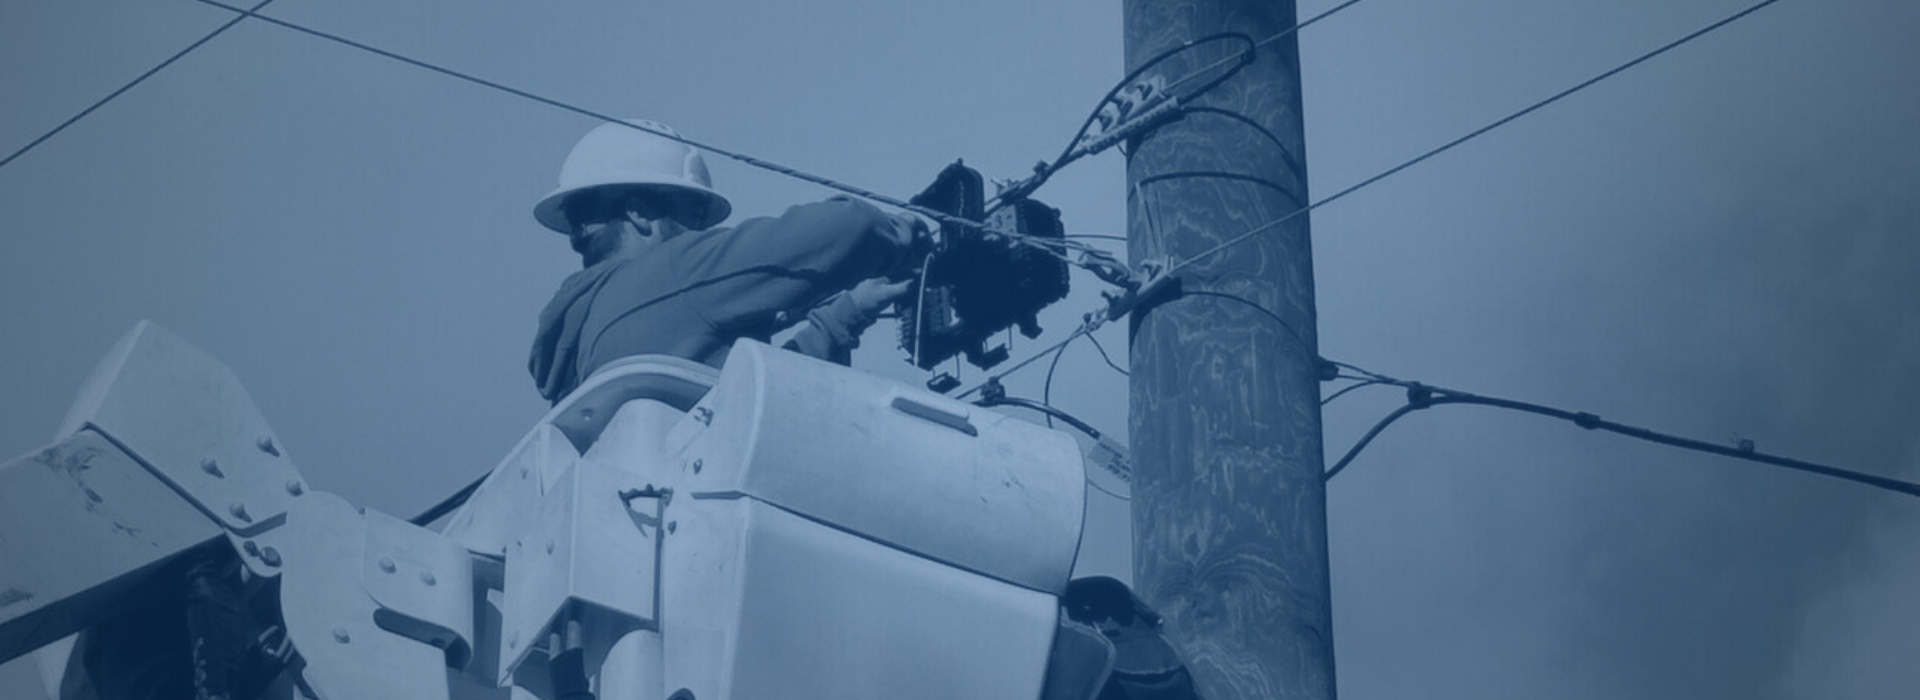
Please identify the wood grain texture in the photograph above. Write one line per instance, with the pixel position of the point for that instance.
(1229, 509)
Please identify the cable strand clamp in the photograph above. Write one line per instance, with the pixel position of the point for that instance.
(1143, 285)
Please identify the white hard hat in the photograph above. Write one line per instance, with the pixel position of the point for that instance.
(619, 156)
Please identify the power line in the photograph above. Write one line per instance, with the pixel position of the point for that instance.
(1052, 412)
(1349, 388)
(1046, 388)
(1180, 292)
(1047, 244)
(1128, 117)
(1045, 408)
(1103, 355)
(1155, 107)
(1282, 34)
(1084, 329)
(136, 81)
(1503, 121)
(448, 504)
(1420, 396)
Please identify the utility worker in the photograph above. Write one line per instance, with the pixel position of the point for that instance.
(658, 278)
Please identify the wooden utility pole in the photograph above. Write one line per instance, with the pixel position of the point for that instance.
(1229, 507)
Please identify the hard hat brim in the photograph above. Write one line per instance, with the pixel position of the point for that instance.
(550, 213)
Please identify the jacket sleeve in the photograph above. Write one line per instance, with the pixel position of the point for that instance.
(743, 277)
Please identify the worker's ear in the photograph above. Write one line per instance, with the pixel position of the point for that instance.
(646, 226)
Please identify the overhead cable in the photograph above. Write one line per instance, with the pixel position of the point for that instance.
(136, 81)
(1282, 34)
(1045, 408)
(1503, 121)
(1103, 355)
(1124, 115)
(1153, 108)
(996, 396)
(1051, 245)
(1083, 329)
(1350, 388)
(448, 504)
(1420, 396)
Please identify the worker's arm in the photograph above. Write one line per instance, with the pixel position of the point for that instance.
(745, 277)
(833, 328)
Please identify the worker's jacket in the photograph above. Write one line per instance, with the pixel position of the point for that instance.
(702, 290)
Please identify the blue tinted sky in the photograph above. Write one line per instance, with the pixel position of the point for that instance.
(1719, 243)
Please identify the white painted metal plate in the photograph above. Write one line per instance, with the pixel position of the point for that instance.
(490, 520)
(330, 616)
(422, 583)
(81, 524)
(592, 552)
(185, 415)
(499, 510)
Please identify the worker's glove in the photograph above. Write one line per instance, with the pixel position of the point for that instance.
(916, 240)
(841, 319)
(871, 296)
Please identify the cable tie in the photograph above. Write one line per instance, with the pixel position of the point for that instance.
(1586, 420)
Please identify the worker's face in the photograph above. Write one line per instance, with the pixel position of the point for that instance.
(599, 223)
(591, 211)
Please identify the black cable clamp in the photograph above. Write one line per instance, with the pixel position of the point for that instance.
(1419, 395)
(1329, 371)
(992, 392)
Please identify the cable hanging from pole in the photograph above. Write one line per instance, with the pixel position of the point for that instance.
(1422, 396)
(994, 395)
(1282, 34)
(1123, 117)
(1343, 391)
(1084, 329)
(1083, 144)
(1469, 136)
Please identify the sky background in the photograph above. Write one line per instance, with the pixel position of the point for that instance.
(1719, 243)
